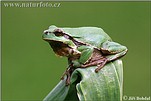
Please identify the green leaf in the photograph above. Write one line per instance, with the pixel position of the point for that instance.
(106, 85)
(58, 93)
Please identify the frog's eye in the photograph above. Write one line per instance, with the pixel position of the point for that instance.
(58, 34)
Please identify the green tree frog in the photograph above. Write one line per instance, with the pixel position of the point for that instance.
(83, 46)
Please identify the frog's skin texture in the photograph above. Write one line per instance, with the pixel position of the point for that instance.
(83, 46)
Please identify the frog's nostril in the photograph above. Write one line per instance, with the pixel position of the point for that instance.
(46, 32)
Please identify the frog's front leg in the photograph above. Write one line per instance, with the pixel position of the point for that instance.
(76, 62)
(68, 73)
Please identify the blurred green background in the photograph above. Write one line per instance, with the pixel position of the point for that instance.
(30, 69)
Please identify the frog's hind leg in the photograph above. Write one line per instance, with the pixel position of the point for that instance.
(97, 59)
(98, 62)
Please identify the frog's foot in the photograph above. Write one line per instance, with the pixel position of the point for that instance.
(68, 73)
(96, 62)
(101, 65)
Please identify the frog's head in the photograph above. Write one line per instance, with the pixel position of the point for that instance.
(61, 43)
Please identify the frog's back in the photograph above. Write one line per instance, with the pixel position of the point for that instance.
(91, 35)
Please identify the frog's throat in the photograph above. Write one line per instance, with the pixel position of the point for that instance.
(63, 49)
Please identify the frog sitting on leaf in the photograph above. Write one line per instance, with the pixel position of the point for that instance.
(83, 46)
